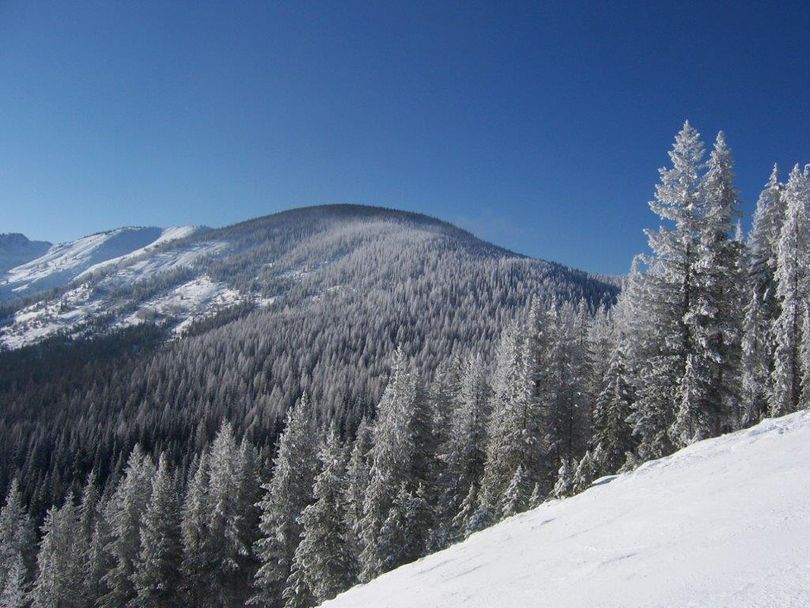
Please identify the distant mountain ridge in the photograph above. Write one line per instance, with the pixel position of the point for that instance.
(16, 249)
(181, 275)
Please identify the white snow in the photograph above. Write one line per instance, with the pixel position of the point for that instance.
(168, 234)
(65, 261)
(724, 522)
(197, 299)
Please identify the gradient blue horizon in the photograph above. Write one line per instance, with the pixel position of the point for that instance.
(538, 126)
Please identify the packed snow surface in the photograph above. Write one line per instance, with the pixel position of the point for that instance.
(724, 522)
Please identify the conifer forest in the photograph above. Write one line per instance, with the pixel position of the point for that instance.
(409, 385)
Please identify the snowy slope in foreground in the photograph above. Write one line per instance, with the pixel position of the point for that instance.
(725, 522)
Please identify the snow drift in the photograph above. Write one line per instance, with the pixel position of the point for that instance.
(724, 522)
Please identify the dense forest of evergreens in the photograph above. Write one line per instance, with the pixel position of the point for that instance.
(173, 482)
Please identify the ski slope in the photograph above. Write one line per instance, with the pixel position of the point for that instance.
(724, 522)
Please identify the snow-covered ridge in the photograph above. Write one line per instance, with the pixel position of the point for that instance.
(172, 233)
(724, 522)
(64, 262)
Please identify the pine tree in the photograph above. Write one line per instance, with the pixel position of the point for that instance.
(463, 453)
(514, 431)
(762, 305)
(58, 562)
(669, 292)
(391, 458)
(403, 534)
(13, 588)
(793, 290)
(16, 536)
(587, 470)
(565, 479)
(286, 495)
(612, 433)
(90, 547)
(711, 375)
(157, 573)
(323, 562)
(194, 534)
(462, 525)
(357, 479)
(297, 593)
(229, 533)
(515, 498)
(125, 514)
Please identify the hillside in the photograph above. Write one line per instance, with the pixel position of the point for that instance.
(724, 522)
(180, 275)
(159, 345)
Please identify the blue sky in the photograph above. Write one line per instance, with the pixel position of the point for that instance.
(539, 126)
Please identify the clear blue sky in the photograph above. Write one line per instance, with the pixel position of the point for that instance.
(539, 126)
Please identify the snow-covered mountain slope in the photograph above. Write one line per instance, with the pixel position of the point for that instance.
(16, 249)
(724, 522)
(290, 260)
(64, 262)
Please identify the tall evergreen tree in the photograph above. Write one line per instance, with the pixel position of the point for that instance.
(357, 479)
(711, 375)
(157, 573)
(762, 304)
(13, 588)
(229, 533)
(670, 291)
(793, 291)
(17, 540)
(514, 424)
(286, 495)
(391, 458)
(463, 454)
(58, 561)
(194, 535)
(125, 514)
(323, 559)
(612, 433)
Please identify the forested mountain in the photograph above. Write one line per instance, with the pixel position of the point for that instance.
(375, 386)
(315, 299)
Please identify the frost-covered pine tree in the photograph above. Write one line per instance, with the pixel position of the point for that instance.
(229, 527)
(463, 454)
(59, 563)
(565, 479)
(297, 593)
(669, 292)
(611, 431)
(357, 478)
(793, 289)
(13, 587)
(463, 523)
(515, 498)
(403, 534)
(194, 534)
(560, 389)
(286, 495)
(124, 515)
(17, 539)
(762, 305)
(514, 427)
(708, 388)
(323, 560)
(90, 542)
(157, 573)
(588, 470)
(391, 458)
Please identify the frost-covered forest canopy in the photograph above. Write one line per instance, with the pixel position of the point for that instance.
(408, 386)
